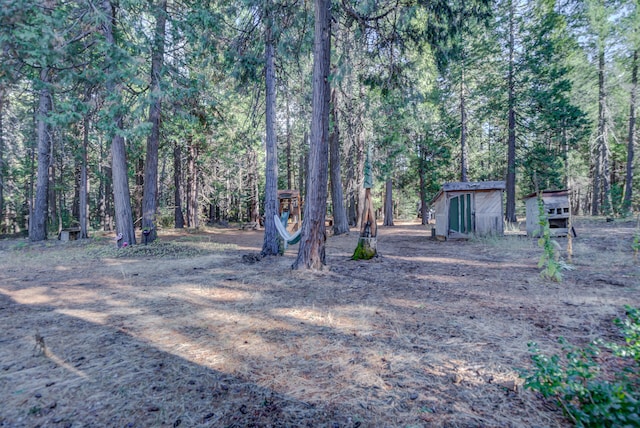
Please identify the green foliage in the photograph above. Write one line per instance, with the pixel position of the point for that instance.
(588, 394)
(630, 328)
(549, 260)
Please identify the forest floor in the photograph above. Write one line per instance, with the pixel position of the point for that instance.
(193, 331)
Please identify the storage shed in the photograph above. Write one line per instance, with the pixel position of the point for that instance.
(556, 206)
(464, 209)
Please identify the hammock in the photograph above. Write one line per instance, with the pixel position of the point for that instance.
(288, 238)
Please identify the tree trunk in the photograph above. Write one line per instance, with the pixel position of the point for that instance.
(601, 179)
(106, 212)
(595, 173)
(311, 254)
(120, 178)
(510, 214)
(464, 150)
(628, 193)
(177, 182)
(352, 181)
(597, 152)
(75, 202)
(361, 194)
(57, 194)
(32, 174)
(254, 197)
(302, 172)
(367, 243)
(270, 245)
(388, 203)
(84, 183)
(38, 222)
(3, 168)
(121, 196)
(340, 223)
(150, 198)
(289, 166)
(137, 191)
(51, 198)
(422, 172)
(192, 186)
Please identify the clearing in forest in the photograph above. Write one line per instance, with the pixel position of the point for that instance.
(188, 332)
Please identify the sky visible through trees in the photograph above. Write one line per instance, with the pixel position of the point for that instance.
(143, 114)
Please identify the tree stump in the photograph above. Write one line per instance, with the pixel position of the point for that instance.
(367, 244)
(366, 249)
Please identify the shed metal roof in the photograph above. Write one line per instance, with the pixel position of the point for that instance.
(563, 192)
(458, 186)
(473, 185)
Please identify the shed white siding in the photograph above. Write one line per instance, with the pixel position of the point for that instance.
(488, 213)
(442, 220)
(556, 206)
(486, 208)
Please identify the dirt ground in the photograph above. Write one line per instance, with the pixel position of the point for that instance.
(191, 331)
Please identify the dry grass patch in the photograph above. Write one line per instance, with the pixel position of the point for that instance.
(185, 333)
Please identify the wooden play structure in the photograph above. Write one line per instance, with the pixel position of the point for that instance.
(556, 206)
(290, 201)
(465, 209)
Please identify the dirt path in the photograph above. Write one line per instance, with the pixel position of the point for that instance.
(190, 334)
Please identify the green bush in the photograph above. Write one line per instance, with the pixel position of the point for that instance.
(550, 258)
(588, 394)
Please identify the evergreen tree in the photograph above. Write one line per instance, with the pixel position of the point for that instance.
(556, 124)
(150, 198)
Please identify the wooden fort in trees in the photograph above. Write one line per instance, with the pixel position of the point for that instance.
(465, 209)
(556, 207)
(291, 202)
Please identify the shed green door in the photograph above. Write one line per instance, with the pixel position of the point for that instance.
(460, 220)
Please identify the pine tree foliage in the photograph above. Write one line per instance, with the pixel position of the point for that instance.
(428, 87)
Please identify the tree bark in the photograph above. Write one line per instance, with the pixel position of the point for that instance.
(601, 180)
(138, 190)
(120, 178)
(367, 243)
(75, 202)
(361, 193)
(150, 198)
(311, 254)
(192, 186)
(510, 214)
(52, 217)
(388, 203)
(288, 152)
(628, 193)
(104, 190)
(254, 197)
(464, 149)
(38, 222)
(83, 208)
(177, 182)
(340, 223)
(422, 172)
(3, 168)
(270, 245)
(302, 172)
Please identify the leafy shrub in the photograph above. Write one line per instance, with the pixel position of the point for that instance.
(589, 395)
(550, 258)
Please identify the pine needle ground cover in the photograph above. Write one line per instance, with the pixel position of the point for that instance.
(189, 333)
